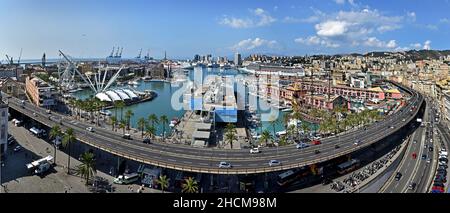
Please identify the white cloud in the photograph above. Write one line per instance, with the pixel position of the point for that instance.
(351, 2)
(275, 8)
(416, 46)
(374, 42)
(339, 1)
(427, 45)
(261, 18)
(331, 28)
(445, 20)
(311, 19)
(250, 44)
(315, 40)
(236, 22)
(412, 16)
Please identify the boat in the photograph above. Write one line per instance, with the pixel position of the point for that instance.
(287, 110)
(75, 90)
(134, 83)
(174, 122)
(146, 78)
(105, 112)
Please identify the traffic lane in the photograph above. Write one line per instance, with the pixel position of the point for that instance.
(407, 166)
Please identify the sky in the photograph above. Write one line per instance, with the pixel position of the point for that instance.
(84, 28)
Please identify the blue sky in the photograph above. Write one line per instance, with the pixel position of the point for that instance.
(86, 28)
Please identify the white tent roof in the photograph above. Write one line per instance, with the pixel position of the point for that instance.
(130, 93)
(122, 95)
(113, 96)
(103, 97)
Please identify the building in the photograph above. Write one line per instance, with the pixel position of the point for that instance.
(446, 106)
(11, 71)
(3, 127)
(237, 59)
(40, 92)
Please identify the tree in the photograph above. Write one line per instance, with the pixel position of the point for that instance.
(164, 120)
(141, 125)
(128, 115)
(190, 186)
(230, 134)
(153, 119)
(123, 125)
(286, 118)
(163, 182)
(283, 141)
(265, 137)
(305, 128)
(150, 131)
(68, 139)
(273, 122)
(55, 133)
(120, 105)
(113, 122)
(87, 167)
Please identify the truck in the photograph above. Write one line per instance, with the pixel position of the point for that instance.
(40, 166)
(419, 120)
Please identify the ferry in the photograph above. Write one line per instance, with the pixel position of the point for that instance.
(287, 110)
(134, 83)
(146, 78)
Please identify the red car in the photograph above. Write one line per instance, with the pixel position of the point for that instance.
(414, 155)
(437, 188)
(316, 142)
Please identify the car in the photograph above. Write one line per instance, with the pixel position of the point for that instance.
(412, 186)
(414, 141)
(146, 141)
(254, 151)
(337, 147)
(34, 114)
(403, 119)
(425, 146)
(126, 136)
(316, 142)
(443, 160)
(90, 129)
(302, 145)
(274, 163)
(326, 181)
(17, 149)
(414, 155)
(224, 165)
(316, 152)
(48, 111)
(430, 149)
(357, 142)
(11, 142)
(428, 160)
(392, 127)
(398, 176)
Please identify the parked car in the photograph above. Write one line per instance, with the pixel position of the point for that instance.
(316, 142)
(337, 146)
(90, 129)
(17, 149)
(316, 152)
(127, 136)
(302, 145)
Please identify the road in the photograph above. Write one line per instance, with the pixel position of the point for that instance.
(417, 170)
(187, 158)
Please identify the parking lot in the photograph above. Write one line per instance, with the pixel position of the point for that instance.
(16, 179)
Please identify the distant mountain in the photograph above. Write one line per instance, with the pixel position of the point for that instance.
(413, 55)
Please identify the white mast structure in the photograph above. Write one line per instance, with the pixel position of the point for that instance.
(97, 85)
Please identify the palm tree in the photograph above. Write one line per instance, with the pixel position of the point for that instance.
(123, 125)
(163, 182)
(286, 118)
(265, 137)
(55, 133)
(141, 125)
(87, 167)
(120, 105)
(305, 128)
(190, 186)
(164, 120)
(150, 131)
(153, 119)
(128, 115)
(230, 134)
(283, 141)
(68, 139)
(273, 122)
(113, 122)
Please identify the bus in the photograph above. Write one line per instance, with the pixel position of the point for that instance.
(348, 166)
(288, 177)
(126, 178)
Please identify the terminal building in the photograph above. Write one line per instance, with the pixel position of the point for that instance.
(114, 95)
